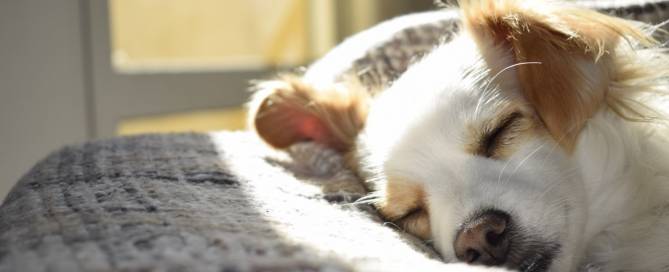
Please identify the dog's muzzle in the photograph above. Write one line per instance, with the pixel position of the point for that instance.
(490, 237)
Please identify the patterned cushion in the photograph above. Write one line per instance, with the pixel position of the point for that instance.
(380, 54)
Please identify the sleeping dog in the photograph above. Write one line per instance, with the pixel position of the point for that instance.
(534, 140)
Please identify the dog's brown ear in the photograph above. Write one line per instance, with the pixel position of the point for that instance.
(571, 50)
(287, 110)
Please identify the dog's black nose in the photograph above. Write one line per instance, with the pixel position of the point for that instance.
(484, 239)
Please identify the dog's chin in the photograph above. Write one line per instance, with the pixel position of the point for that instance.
(533, 257)
(530, 253)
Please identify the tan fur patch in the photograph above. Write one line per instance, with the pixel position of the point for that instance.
(574, 47)
(287, 110)
(404, 203)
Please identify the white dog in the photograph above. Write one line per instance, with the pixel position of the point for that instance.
(533, 141)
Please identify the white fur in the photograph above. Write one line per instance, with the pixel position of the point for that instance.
(607, 204)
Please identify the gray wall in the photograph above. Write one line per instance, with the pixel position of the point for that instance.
(42, 94)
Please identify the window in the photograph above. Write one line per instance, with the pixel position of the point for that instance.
(178, 35)
(189, 58)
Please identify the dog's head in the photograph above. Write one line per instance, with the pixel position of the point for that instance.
(472, 146)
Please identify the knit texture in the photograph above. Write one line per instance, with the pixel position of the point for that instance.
(197, 202)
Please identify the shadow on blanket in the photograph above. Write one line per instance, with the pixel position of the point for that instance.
(205, 202)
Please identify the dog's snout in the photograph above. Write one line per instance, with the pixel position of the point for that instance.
(484, 239)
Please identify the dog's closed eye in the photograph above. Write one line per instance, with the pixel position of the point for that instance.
(415, 221)
(404, 204)
(498, 135)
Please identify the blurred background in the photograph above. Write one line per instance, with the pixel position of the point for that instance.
(75, 70)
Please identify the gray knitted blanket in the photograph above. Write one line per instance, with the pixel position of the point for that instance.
(224, 201)
(197, 202)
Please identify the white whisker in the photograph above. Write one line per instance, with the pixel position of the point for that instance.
(508, 68)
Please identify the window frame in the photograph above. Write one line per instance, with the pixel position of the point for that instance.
(116, 96)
